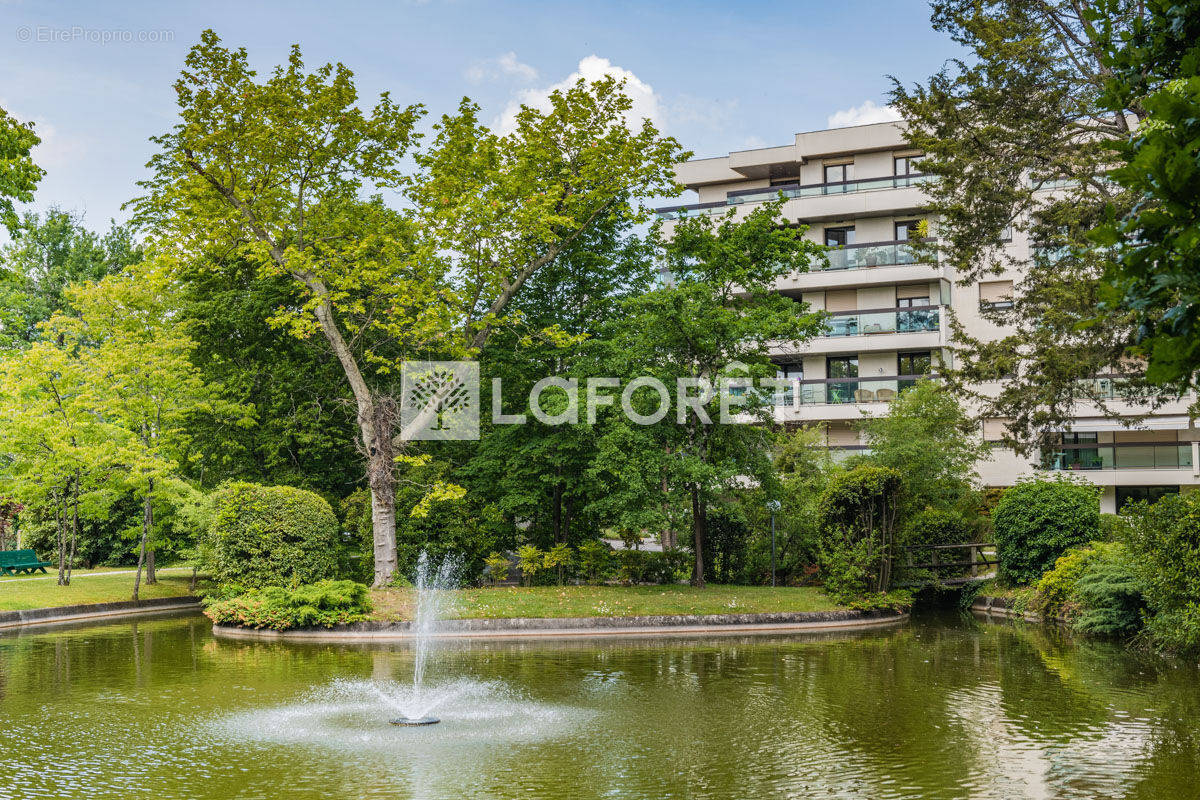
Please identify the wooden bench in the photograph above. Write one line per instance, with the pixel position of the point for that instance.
(17, 562)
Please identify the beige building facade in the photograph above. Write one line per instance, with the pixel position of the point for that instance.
(859, 190)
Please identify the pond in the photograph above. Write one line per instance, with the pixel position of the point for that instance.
(942, 707)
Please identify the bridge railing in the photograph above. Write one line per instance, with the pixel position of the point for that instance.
(948, 563)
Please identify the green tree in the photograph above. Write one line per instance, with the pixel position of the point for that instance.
(140, 378)
(49, 253)
(61, 454)
(1155, 63)
(712, 319)
(858, 521)
(931, 441)
(1018, 137)
(536, 473)
(19, 176)
(278, 169)
(305, 413)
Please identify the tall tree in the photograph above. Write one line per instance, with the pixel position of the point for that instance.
(305, 413)
(538, 474)
(713, 319)
(19, 176)
(59, 453)
(1019, 138)
(140, 378)
(1154, 63)
(276, 171)
(50, 252)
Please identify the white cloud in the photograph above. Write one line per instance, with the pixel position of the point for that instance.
(505, 66)
(646, 104)
(865, 114)
(55, 151)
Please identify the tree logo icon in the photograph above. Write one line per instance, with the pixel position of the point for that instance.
(439, 400)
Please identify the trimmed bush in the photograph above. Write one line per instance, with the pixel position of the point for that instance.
(321, 604)
(1164, 547)
(1037, 521)
(271, 536)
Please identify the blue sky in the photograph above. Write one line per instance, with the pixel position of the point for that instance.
(718, 76)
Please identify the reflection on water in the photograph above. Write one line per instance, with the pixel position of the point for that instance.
(944, 707)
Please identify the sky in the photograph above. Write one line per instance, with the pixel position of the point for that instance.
(96, 78)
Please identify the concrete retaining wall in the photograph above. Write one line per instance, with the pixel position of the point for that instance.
(125, 608)
(584, 626)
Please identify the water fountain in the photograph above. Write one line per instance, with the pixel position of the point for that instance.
(431, 594)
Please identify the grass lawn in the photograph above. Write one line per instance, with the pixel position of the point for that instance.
(607, 601)
(88, 586)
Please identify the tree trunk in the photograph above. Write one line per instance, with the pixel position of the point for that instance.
(151, 575)
(147, 521)
(557, 505)
(60, 519)
(74, 528)
(699, 533)
(381, 477)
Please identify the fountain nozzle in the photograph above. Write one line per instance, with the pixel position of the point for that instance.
(414, 721)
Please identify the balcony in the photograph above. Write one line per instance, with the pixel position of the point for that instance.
(791, 191)
(1118, 456)
(874, 254)
(843, 391)
(895, 320)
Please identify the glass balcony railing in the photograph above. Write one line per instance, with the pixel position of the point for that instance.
(901, 320)
(794, 190)
(694, 210)
(866, 256)
(1120, 456)
(834, 391)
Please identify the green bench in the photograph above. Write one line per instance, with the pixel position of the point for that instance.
(16, 562)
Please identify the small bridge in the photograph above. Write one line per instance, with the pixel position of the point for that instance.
(947, 558)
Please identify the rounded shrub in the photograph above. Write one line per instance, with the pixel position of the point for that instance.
(271, 536)
(1037, 521)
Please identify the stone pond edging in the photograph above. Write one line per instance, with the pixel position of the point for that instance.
(1002, 607)
(779, 622)
(77, 613)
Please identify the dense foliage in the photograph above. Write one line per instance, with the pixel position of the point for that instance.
(1038, 520)
(1018, 136)
(858, 521)
(1154, 64)
(271, 536)
(323, 604)
(1164, 545)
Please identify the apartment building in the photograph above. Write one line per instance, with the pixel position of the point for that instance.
(859, 190)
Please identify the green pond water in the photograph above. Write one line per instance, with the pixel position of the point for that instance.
(944, 706)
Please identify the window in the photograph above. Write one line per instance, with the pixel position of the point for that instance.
(839, 173)
(1151, 494)
(995, 294)
(916, 363)
(839, 237)
(907, 165)
(841, 367)
(909, 229)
